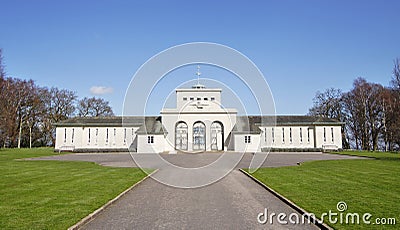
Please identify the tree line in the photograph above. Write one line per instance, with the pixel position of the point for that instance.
(28, 111)
(370, 113)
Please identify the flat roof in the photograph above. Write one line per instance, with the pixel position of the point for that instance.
(199, 90)
(253, 120)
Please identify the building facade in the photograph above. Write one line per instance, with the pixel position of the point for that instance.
(199, 123)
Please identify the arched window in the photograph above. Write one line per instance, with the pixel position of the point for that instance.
(199, 136)
(181, 136)
(217, 136)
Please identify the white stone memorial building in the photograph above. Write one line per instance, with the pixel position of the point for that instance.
(198, 123)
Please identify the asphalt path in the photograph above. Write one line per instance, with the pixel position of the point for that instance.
(233, 202)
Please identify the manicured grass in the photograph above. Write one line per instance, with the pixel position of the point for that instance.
(55, 194)
(376, 155)
(366, 185)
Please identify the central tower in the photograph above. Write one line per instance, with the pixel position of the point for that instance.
(199, 122)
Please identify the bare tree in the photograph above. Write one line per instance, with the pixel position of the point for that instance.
(35, 114)
(365, 106)
(8, 112)
(330, 104)
(60, 105)
(94, 107)
(395, 82)
(2, 95)
(16, 99)
(2, 68)
(25, 102)
(375, 113)
(393, 107)
(390, 119)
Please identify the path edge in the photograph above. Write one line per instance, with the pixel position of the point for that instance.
(314, 220)
(94, 214)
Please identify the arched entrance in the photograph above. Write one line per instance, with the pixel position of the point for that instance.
(199, 136)
(181, 136)
(217, 136)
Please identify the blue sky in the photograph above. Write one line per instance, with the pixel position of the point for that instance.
(300, 46)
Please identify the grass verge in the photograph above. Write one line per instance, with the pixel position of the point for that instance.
(55, 194)
(367, 186)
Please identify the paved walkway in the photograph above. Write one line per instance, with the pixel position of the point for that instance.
(233, 202)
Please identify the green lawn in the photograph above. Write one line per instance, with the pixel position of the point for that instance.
(55, 194)
(370, 185)
(376, 155)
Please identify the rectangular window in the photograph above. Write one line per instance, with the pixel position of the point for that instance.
(89, 136)
(198, 98)
(150, 139)
(301, 135)
(290, 135)
(133, 134)
(97, 136)
(308, 135)
(273, 135)
(212, 99)
(332, 134)
(185, 98)
(115, 135)
(106, 135)
(124, 136)
(192, 98)
(324, 134)
(65, 135)
(206, 99)
(283, 135)
(265, 134)
(247, 139)
(72, 135)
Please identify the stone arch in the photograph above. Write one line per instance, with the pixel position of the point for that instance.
(181, 135)
(217, 136)
(199, 136)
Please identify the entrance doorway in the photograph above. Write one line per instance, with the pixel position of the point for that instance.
(217, 136)
(199, 136)
(181, 136)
